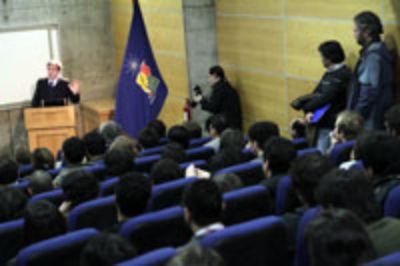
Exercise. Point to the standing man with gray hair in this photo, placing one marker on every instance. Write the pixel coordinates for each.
(371, 92)
(54, 90)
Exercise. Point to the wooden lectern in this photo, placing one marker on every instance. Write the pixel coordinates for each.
(50, 126)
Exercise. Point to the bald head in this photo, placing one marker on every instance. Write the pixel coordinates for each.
(40, 181)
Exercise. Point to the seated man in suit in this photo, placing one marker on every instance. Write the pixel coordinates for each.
(54, 89)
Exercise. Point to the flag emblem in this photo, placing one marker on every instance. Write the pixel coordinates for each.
(146, 81)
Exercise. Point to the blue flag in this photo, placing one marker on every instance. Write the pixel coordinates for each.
(141, 90)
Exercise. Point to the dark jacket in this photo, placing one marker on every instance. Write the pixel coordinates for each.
(51, 94)
(224, 100)
(371, 93)
(382, 186)
(332, 89)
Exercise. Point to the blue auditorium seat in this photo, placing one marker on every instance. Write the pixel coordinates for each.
(11, 239)
(168, 194)
(251, 173)
(199, 153)
(199, 142)
(257, 242)
(388, 260)
(308, 151)
(60, 250)
(107, 186)
(338, 149)
(158, 257)
(282, 194)
(55, 196)
(245, 204)
(99, 213)
(392, 203)
(157, 229)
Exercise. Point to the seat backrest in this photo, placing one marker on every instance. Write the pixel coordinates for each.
(282, 194)
(144, 164)
(107, 187)
(300, 143)
(60, 250)
(335, 153)
(301, 257)
(158, 257)
(23, 185)
(258, 242)
(199, 142)
(151, 151)
(25, 169)
(199, 153)
(98, 170)
(55, 171)
(251, 173)
(198, 163)
(157, 229)
(168, 194)
(392, 203)
(246, 204)
(388, 260)
(11, 239)
(307, 151)
(55, 196)
(99, 213)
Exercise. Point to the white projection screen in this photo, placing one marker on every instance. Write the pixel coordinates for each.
(23, 57)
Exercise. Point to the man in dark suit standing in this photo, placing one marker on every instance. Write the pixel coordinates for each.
(372, 85)
(224, 99)
(54, 89)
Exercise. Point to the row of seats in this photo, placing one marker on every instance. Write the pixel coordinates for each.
(257, 242)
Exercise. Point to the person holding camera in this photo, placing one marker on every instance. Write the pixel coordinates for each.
(329, 97)
(224, 99)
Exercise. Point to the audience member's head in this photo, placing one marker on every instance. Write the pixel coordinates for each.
(278, 155)
(196, 255)
(260, 132)
(368, 28)
(297, 129)
(132, 193)
(202, 202)
(8, 172)
(379, 152)
(12, 203)
(338, 238)
(165, 170)
(348, 126)
(110, 130)
(39, 181)
(95, 144)
(217, 124)
(231, 138)
(79, 187)
(22, 155)
(119, 161)
(106, 250)
(175, 152)
(180, 135)
(331, 53)
(125, 142)
(306, 172)
(159, 126)
(228, 182)
(392, 120)
(42, 221)
(74, 150)
(350, 190)
(194, 129)
(42, 159)
(148, 138)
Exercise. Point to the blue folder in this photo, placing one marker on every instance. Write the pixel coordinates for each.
(319, 113)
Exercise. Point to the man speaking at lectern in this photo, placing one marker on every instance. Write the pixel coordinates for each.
(54, 90)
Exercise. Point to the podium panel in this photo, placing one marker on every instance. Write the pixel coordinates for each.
(49, 127)
(95, 112)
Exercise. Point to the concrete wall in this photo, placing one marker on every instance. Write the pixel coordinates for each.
(201, 46)
(87, 50)
(269, 47)
(165, 27)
